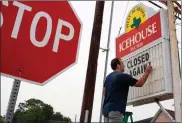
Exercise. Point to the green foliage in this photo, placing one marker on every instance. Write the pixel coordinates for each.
(36, 110)
(67, 119)
(1, 118)
(57, 116)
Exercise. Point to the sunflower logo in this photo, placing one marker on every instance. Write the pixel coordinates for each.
(136, 16)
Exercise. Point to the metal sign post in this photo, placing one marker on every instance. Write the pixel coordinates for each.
(165, 112)
(12, 101)
(107, 55)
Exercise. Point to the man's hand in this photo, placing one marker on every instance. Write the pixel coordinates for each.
(143, 79)
(148, 69)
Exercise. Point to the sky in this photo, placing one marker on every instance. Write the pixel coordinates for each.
(65, 92)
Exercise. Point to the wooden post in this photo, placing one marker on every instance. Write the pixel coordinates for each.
(175, 62)
(87, 104)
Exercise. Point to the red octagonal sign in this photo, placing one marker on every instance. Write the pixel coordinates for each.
(39, 40)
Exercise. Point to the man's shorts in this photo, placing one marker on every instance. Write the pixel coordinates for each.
(114, 116)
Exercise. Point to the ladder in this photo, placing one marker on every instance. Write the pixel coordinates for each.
(126, 116)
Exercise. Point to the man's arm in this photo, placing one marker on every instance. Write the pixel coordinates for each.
(104, 91)
(143, 79)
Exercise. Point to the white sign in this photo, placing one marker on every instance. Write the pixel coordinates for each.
(154, 49)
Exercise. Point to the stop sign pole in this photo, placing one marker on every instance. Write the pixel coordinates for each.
(12, 101)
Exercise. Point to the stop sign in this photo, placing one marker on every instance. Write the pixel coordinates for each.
(39, 40)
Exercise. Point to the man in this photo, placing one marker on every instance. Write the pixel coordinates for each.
(116, 88)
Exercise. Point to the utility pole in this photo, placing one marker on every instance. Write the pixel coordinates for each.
(175, 62)
(88, 96)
